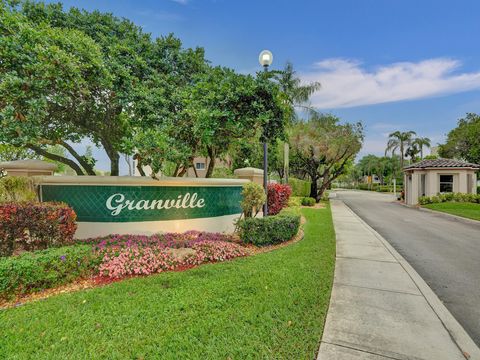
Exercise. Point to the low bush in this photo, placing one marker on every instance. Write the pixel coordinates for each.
(299, 187)
(449, 197)
(308, 201)
(295, 201)
(269, 230)
(33, 226)
(278, 195)
(43, 269)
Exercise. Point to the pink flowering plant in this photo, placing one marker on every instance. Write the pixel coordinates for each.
(166, 240)
(128, 255)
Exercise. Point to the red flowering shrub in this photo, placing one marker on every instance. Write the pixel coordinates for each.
(33, 226)
(278, 195)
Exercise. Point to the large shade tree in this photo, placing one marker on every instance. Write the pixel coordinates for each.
(322, 148)
(96, 76)
(463, 142)
(50, 79)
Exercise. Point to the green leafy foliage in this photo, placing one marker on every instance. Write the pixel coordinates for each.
(299, 187)
(269, 230)
(322, 148)
(308, 201)
(253, 197)
(449, 197)
(463, 141)
(43, 269)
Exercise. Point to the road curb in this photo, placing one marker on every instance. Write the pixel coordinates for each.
(458, 334)
(450, 216)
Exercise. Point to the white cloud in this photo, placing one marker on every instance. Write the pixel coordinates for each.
(182, 2)
(345, 83)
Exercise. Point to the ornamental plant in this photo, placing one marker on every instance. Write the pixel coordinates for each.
(137, 260)
(278, 195)
(269, 230)
(253, 199)
(43, 269)
(34, 226)
(165, 240)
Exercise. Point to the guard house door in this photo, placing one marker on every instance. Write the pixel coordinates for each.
(422, 185)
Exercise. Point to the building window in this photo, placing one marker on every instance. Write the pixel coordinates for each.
(446, 183)
(200, 166)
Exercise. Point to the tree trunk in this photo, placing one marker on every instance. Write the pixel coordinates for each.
(56, 157)
(211, 163)
(81, 160)
(314, 188)
(113, 156)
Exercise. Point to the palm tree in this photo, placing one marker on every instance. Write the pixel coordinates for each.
(297, 97)
(297, 94)
(421, 142)
(398, 141)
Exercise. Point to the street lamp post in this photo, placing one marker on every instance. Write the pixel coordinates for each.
(265, 58)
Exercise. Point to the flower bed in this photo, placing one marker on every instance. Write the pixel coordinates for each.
(137, 260)
(114, 257)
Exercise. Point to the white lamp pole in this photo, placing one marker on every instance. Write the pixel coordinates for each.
(265, 59)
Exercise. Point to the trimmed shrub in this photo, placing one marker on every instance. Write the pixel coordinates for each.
(33, 226)
(449, 197)
(253, 199)
(295, 201)
(308, 201)
(278, 195)
(43, 269)
(299, 187)
(269, 230)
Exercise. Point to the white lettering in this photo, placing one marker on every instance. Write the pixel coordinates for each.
(117, 203)
(116, 209)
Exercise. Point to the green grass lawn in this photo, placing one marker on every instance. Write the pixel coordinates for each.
(468, 210)
(268, 306)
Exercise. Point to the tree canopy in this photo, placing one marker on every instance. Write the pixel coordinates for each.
(321, 149)
(463, 142)
(73, 75)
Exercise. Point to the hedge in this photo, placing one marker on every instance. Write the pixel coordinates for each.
(269, 230)
(299, 187)
(449, 197)
(35, 226)
(43, 269)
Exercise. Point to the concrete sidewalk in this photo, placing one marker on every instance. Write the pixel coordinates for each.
(380, 308)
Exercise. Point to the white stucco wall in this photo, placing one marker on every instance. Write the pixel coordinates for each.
(413, 188)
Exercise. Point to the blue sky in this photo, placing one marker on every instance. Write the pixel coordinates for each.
(392, 64)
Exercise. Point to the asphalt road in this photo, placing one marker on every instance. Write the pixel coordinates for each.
(444, 251)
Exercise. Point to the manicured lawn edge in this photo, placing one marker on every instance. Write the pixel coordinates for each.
(465, 210)
(272, 305)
